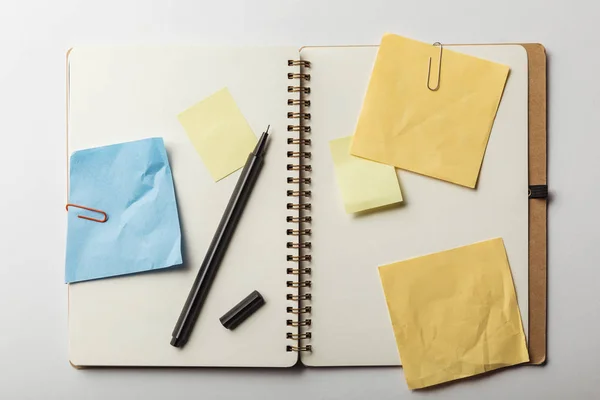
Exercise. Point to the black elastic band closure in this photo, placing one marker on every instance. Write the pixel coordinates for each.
(538, 191)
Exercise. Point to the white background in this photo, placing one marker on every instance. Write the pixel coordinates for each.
(34, 36)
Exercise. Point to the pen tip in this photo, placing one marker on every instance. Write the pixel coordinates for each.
(262, 143)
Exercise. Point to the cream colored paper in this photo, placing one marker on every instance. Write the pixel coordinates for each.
(219, 133)
(443, 133)
(364, 184)
(127, 321)
(454, 313)
(349, 250)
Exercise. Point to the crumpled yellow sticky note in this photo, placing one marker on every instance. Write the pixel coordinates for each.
(219, 132)
(454, 313)
(364, 184)
(443, 133)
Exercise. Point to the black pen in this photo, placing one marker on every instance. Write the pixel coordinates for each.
(219, 244)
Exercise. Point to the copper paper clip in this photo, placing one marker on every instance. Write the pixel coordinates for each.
(89, 209)
(439, 70)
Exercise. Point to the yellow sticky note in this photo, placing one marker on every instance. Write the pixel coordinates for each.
(454, 313)
(443, 133)
(219, 132)
(364, 184)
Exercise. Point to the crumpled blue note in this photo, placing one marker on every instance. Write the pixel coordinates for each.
(132, 183)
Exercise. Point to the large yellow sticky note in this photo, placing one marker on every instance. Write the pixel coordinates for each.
(364, 184)
(443, 133)
(219, 132)
(454, 313)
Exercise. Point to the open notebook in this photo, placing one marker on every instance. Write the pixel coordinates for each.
(315, 265)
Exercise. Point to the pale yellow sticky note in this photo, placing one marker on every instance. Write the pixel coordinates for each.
(364, 184)
(454, 313)
(443, 133)
(219, 132)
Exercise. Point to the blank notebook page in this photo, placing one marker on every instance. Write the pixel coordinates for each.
(124, 94)
(350, 322)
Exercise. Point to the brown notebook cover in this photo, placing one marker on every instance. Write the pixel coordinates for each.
(537, 207)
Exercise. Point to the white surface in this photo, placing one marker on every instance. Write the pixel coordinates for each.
(119, 94)
(33, 299)
(348, 302)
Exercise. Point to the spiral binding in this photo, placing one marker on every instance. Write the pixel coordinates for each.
(299, 196)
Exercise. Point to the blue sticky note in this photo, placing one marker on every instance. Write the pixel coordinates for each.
(132, 183)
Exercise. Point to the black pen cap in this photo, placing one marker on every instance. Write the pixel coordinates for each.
(242, 310)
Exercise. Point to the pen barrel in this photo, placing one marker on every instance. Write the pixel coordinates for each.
(216, 250)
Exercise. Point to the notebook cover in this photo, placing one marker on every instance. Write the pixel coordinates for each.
(537, 207)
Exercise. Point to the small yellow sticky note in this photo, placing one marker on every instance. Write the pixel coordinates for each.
(443, 133)
(454, 313)
(219, 132)
(364, 184)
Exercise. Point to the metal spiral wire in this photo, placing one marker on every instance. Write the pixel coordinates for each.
(299, 202)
